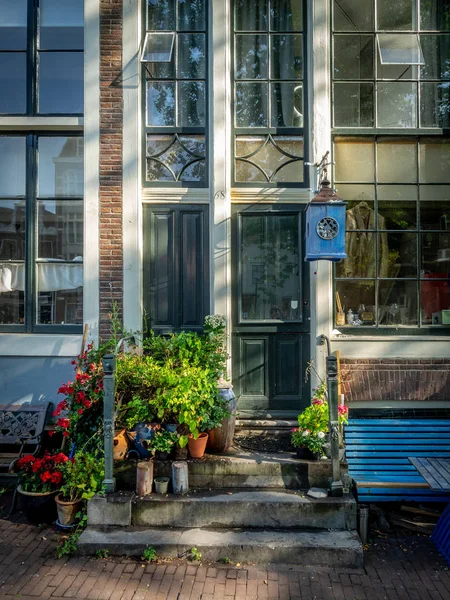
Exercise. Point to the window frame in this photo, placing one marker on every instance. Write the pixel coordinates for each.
(32, 54)
(271, 131)
(175, 130)
(31, 261)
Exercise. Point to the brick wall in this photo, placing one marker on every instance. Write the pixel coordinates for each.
(393, 379)
(111, 117)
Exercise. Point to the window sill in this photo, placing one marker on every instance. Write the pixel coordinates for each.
(41, 123)
(28, 344)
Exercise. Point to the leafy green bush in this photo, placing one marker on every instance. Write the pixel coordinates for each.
(82, 477)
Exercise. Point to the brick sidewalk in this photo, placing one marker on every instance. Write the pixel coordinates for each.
(396, 568)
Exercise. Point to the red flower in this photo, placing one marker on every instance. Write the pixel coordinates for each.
(317, 402)
(80, 411)
(60, 458)
(87, 403)
(45, 476)
(25, 461)
(56, 477)
(64, 423)
(66, 434)
(38, 464)
(342, 409)
(80, 397)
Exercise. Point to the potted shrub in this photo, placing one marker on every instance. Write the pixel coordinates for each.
(82, 478)
(162, 443)
(39, 482)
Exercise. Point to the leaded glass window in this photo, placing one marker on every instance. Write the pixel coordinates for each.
(391, 64)
(269, 98)
(176, 94)
(397, 270)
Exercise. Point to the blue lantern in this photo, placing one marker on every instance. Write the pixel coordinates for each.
(325, 226)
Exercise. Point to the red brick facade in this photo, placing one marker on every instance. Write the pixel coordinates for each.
(392, 379)
(111, 118)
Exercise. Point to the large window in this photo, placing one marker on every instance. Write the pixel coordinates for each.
(41, 57)
(41, 232)
(391, 64)
(397, 273)
(175, 92)
(269, 98)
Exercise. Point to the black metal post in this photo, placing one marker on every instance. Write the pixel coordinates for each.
(109, 365)
(337, 489)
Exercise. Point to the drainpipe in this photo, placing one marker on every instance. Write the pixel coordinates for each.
(337, 489)
(109, 385)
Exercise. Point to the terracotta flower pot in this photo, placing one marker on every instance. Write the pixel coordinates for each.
(67, 511)
(38, 507)
(197, 447)
(121, 445)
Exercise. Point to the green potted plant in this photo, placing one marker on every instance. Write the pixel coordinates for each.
(309, 437)
(162, 443)
(39, 482)
(82, 478)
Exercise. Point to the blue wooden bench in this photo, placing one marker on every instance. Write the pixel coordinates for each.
(377, 454)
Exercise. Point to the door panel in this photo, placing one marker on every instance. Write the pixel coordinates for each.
(270, 309)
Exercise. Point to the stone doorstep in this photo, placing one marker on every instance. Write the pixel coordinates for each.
(304, 548)
(253, 509)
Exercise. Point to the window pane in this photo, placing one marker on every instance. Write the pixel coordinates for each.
(361, 251)
(435, 105)
(287, 56)
(251, 105)
(397, 192)
(359, 297)
(191, 15)
(435, 14)
(435, 215)
(395, 49)
(60, 294)
(60, 166)
(191, 104)
(397, 160)
(60, 229)
(436, 253)
(397, 303)
(434, 160)
(11, 303)
(250, 15)
(434, 296)
(396, 72)
(397, 215)
(436, 51)
(354, 195)
(400, 14)
(397, 104)
(13, 24)
(349, 15)
(251, 57)
(160, 14)
(12, 166)
(397, 255)
(265, 159)
(191, 56)
(353, 104)
(12, 230)
(176, 158)
(434, 192)
(286, 16)
(353, 56)
(287, 104)
(354, 158)
(13, 99)
(270, 281)
(160, 104)
(60, 88)
(61, 24)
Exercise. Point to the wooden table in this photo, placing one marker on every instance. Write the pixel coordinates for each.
(435, 471)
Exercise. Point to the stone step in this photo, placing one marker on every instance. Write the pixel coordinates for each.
(267, 509)
(341, 549)
(239, 469)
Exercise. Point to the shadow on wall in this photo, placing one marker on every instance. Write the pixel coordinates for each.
(33, 379)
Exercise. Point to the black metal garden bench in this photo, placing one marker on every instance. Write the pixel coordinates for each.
(378, 453)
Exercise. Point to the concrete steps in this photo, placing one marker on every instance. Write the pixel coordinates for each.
(240, 469)
(268, 509)
(327, 548)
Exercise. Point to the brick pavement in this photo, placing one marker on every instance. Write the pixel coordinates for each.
(396, 568)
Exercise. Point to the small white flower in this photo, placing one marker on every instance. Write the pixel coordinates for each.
(321, 435)
(305, 433)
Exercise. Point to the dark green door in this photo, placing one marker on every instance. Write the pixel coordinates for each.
(271, 323)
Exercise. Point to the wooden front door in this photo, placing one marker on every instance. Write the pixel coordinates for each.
(271, 323)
